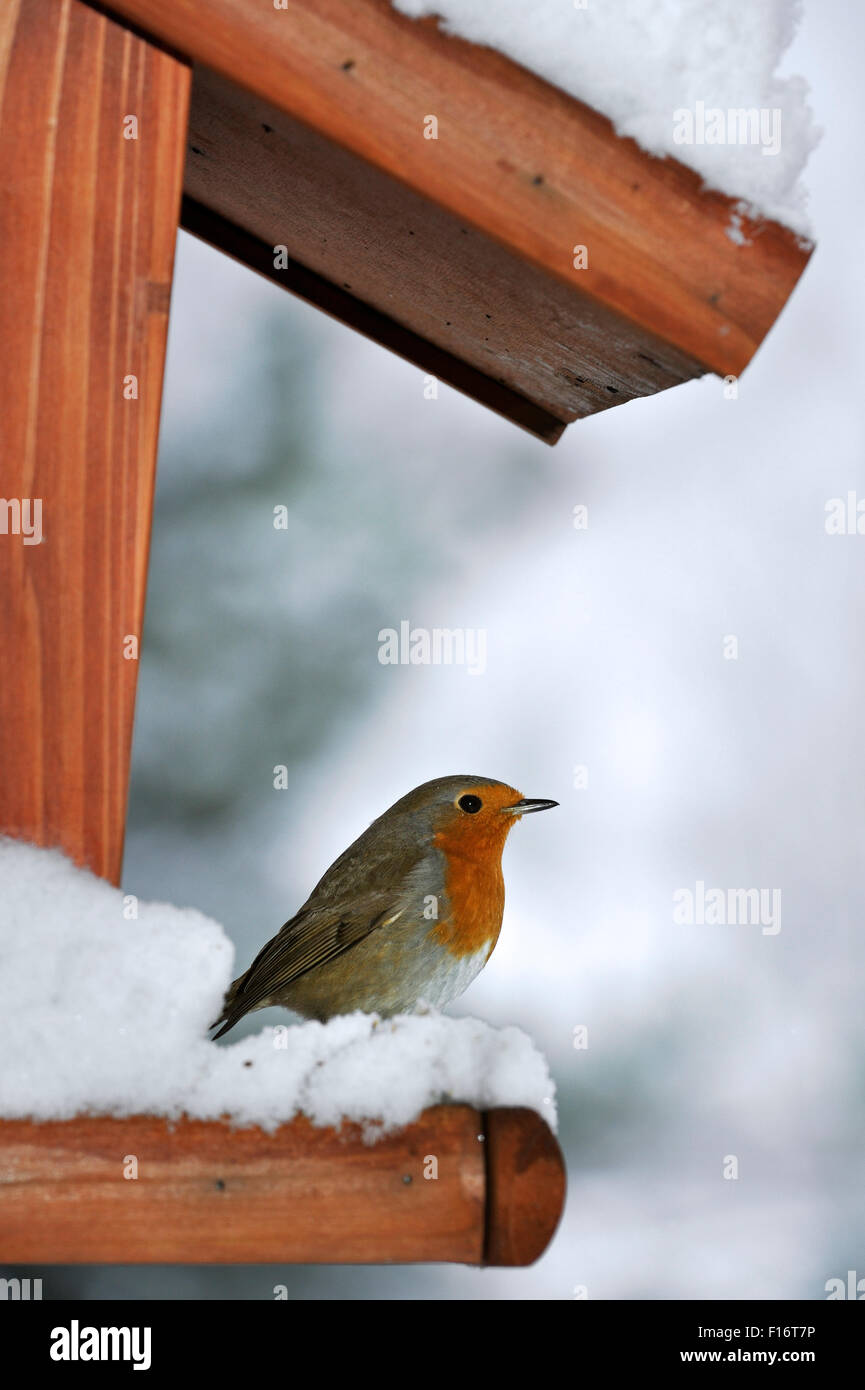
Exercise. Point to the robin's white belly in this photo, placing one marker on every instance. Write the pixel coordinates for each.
(452, 977)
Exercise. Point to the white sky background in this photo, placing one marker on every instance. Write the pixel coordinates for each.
(706, 518)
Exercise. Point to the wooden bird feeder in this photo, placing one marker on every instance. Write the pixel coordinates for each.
(431, 194)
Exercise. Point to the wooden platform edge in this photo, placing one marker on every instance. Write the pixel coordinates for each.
(457, 1185)
(526, 1186)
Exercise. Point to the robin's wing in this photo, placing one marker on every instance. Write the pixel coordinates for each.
(347, 904)
(313, 937)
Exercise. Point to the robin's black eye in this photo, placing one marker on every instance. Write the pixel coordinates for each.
(470, 803)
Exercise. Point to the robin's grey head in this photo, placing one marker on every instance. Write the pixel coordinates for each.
(465, 804)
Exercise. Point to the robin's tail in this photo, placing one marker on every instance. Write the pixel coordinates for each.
(232, 1008)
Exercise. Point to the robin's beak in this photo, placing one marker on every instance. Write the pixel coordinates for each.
(526, 806)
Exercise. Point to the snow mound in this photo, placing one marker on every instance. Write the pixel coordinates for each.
(104, 1011)
(644, 62)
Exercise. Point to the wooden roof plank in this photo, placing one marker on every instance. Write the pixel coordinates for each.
(242, 245)
(515, 158)
(452, 286)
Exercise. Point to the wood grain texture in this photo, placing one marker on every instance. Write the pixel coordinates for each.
(532, 340)
(206, 1193)
(88, 223)
(516, 159)
(525, 1187)
(339, 303)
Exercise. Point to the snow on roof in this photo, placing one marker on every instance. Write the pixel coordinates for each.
(104, 1011)
(681, 77)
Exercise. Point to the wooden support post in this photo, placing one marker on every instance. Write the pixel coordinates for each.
(207, 1194)
(92, 134)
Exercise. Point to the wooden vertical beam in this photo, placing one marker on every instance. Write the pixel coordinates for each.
(92, 134)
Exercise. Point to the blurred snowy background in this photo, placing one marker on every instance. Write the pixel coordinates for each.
(605, 649)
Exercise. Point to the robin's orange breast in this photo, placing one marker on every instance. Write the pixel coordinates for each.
(475, 890)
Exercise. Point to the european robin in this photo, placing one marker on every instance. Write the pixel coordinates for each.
(410, 912)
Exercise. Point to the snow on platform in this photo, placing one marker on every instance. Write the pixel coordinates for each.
(108, 1013)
